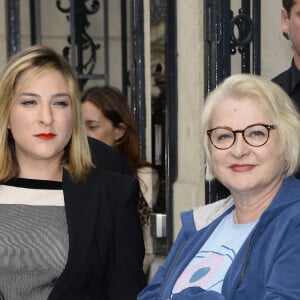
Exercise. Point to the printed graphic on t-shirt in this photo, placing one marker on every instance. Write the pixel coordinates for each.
(206, 270)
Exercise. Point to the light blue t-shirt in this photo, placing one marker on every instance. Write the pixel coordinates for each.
(208, 268)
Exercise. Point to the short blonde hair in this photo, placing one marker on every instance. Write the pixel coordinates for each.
(277, 104)
(77, 158)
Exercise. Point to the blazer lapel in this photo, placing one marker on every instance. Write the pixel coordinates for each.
(81, 210)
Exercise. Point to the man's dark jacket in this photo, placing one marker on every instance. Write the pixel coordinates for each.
(284, 80)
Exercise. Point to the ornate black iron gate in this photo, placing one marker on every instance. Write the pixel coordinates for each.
(80, 49)
(227, 34)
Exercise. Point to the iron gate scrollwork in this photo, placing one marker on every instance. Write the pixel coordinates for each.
(227, 35)
(82, 51)
(81, 42)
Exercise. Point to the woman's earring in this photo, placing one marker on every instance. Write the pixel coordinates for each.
(286, 35)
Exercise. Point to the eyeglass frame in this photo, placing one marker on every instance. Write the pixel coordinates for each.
(268, 127)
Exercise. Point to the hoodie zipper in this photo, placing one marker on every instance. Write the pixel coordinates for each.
(245, 263)
(170, 269)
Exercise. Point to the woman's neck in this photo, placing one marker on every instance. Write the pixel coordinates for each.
(43, 170)
(249, 207)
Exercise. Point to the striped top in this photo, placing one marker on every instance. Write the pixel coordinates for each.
(33, 238)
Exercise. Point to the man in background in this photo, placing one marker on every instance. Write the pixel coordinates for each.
(289, 80)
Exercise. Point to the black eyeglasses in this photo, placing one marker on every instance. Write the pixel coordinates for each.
(255, 135)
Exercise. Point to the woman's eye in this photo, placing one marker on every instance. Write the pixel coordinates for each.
(224, 136)
(257, 133)
(28, 102)
(91, 125)
(62, 103)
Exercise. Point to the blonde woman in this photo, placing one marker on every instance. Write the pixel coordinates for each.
(249, 246)
(68, 230)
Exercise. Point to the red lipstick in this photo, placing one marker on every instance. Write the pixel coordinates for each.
(45, 136)
(242, 168)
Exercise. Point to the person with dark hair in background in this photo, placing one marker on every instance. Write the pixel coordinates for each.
(249, 248)
(108, 118)
(69, 229)
(289, 80)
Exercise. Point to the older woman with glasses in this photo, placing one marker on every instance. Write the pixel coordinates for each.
(250, 249)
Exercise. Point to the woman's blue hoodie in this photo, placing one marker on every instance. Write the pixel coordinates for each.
(266, 267)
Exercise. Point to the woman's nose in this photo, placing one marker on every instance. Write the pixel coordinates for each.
(46, 116)
(240, 146)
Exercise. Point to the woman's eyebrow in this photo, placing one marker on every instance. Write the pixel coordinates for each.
(30, 94)
(37, 95)
(62, 95)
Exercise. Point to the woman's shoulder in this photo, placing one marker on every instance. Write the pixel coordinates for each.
(108, 158)
(112, 177)
(149, 184)
(147, 170)
(148, 175)
(116, 188)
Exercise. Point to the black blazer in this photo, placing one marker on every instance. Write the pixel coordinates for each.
(106, 247)
(107, 158)
(284, 80)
